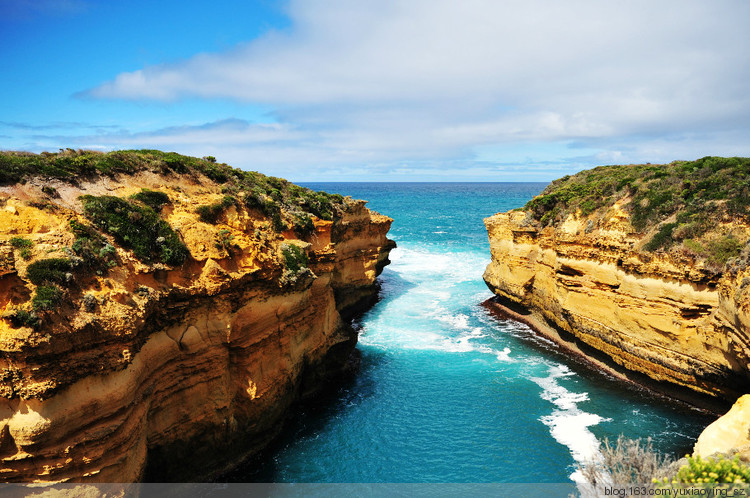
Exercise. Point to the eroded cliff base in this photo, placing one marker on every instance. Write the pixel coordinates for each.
(593, 362)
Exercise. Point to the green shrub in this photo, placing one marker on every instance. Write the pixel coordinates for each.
(136, 228)
(720, 250)
(23, 318)
(47, 297)
(211, 213)
(23, 245)
(303, 225)
(52, 270)
(21, 242)
(710, 471)
(97, 254)
(295, 258)
(152, 198)
(224, 240)
(662, 238)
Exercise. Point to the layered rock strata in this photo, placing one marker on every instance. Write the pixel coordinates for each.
(171, 372)
(667, 319)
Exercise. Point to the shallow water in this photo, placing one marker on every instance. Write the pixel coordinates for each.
(447, 393)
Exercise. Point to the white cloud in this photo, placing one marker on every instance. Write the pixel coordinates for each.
(428, 80)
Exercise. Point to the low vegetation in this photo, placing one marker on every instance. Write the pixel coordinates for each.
(712, 470)
(628, 461)
(152, 198)
(50, 271)
(46, 297)
(295, 258)
(678, 202)
(279, 200)
(224, 240)
(137, 228)
(95, 252)
(634, 462)
(211, 213)
(295, 262)
(23, 245)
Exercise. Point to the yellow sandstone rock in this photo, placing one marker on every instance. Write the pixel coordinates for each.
(729, 432)
(651, 314)
(171, 373)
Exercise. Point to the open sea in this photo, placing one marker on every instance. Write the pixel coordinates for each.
(447, 393)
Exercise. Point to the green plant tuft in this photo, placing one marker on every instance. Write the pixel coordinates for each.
(295, 258)
(151, 198)
(211, 213)
(303, 225)
(23, 245)
(136, 228)
(224, 240)
(51, 270)
(21, 242)
(23, 318)
(47, 297)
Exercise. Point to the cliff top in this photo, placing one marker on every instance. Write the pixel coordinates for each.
(98, 250)
(699, 208)
(276, 197)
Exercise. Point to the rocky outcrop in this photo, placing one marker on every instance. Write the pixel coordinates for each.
(729, 434)
(647, 315)
(170, 372)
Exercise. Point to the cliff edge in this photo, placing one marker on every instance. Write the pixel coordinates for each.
(643, 268)
(162, 313)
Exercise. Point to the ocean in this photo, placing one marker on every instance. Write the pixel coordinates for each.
(445, 392)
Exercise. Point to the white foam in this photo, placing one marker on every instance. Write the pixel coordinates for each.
(504, 355)
(568, 424)
(459, 321)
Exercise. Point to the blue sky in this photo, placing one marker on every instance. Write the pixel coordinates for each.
(381, 90)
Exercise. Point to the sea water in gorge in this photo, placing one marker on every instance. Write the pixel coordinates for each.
(447, 393)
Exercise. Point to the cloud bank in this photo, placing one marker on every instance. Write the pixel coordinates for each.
(426, 83)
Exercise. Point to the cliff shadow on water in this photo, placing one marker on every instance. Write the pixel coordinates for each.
(312, 415)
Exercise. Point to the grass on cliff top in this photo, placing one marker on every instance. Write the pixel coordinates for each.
(692, 195)
(281, 201)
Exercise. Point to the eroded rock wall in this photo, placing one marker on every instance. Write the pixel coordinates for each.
(178, 372)
(671, 320)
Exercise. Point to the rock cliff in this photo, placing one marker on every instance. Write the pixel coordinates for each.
(161, 314)
(600, 263)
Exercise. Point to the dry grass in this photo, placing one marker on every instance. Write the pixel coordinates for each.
(628, 461)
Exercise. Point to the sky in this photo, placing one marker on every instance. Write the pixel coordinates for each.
(381, 90)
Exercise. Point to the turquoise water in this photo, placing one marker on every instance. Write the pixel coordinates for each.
(447, 393)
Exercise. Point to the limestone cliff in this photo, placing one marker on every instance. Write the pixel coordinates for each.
(161, 314)
(600, 264)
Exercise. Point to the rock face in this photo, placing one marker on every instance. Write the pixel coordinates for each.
(171, 372)
(730, 433)
(657, 315)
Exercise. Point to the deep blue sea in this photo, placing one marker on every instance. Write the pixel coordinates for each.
(447, 393)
